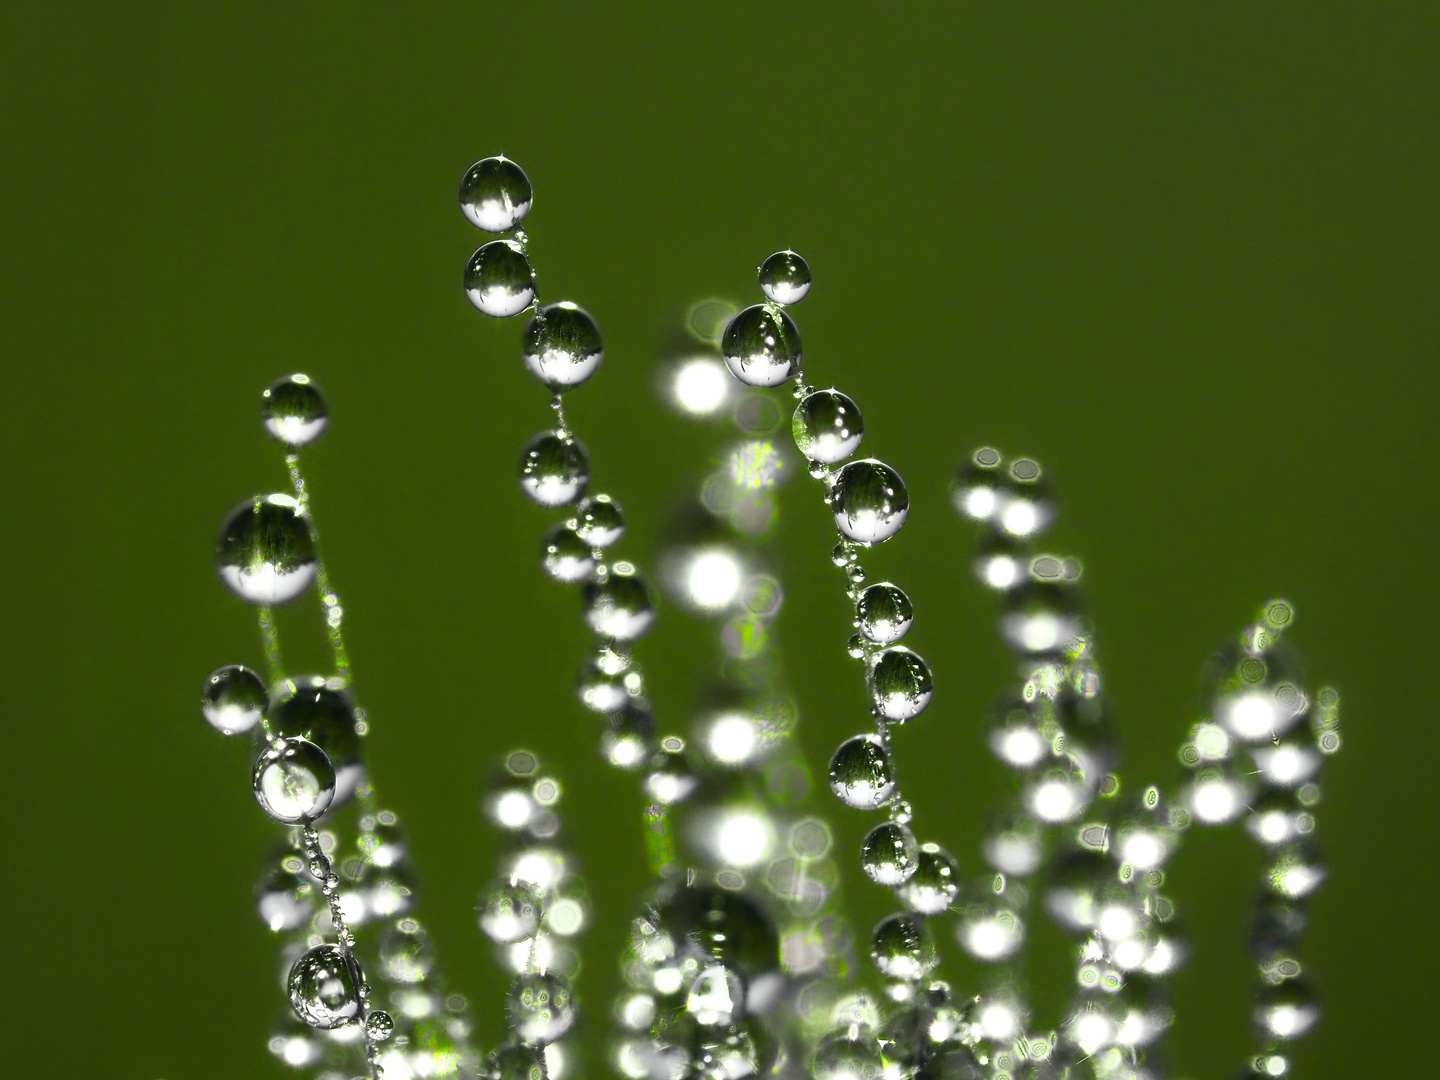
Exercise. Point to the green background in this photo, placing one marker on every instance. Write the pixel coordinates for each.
(1183, 253)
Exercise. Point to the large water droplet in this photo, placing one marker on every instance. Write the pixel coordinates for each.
(554, 470)
(562, 345)
(785, 277)
(565, 556)
(861, 773)
(233, 699)
(598, 521)
(540, 1007)
(293, 781)
(294, 411)
(902, 948)
(509, 911)
(619, 607)
(869, 501)
(935, 884)
(499, 280)
(889, 854)
(495, 194)
(321, 710)
(324, 987)
(762, 346)
(885, 613)
(827, 426)
(265, 552)
(900, 684)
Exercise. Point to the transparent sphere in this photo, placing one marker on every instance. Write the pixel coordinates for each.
(495, 194)
(293, 781)
(869, 501)
(565, 556)
(320, 710)
(406, 953)
(379, 1026)
(839, 1057)
(605, 681)
(861, 774)
(294, 411)
(562, 346)
(669, 777)
(761, 346)
(324, 987)
(233, 699)
(516, 1061)
(902, 948)
(540, 1007)
(935, 884)
(285, 898)
(598, 521)
(499, 280)
(889, 854)
(265, 552)
(509, 911)
(827, 426)
(619, 607)
(1286, 1011)
(785, 277)
(554, 470)
(977, 491)
(900, 684)
(885, 613)
(628, 739)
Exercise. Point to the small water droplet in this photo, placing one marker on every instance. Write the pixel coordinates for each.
(935, 884)
(406, 953)
(827, 427)
(499, 280)
(628, 740)
(379, 1026)
(562, 345)
(620, 607)
(540, 1007)
(840, 1057)
(293, 781)
(902, 948)
(565, 556)
(889, 854)
(885, 613)
(554, 470)
(785, 277)
(265, 552)
(670, 778)
(294, 411)
(598, 521)
(323, 987)
(509, 911)
(861, 774)
(515, 1061)
(869, 501)
(761, 346)
(900, 684)
(495, 194)
(233, 699)
(285, 898)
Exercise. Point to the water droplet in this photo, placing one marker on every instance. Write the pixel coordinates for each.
(565, 556)
(293, 781)
(869, 501)
(1041, 618)
(902, 948)
(1286, 1011)
(515, 1061)
(294, 410)
(598, 521)
(379, 1026)
(717, 996)
(861, 773)
(889, 854)
(562, 345)
(321, 710)
(233, 699)
(285, 898)
(324, 986)
(885, 613)
(900, 684)
(554, 470)
(990, 932)
(1013, 845)
(619, 607)
(669, 778)
(761, 346)
(935, 884)
(827, 427)
(499, 280)
(628, 740)
(785, 277)
(495, 194)
(540, 1007)
(265, 552)
(840, 1057)
(406, 953)
(509, 911)
(604, 682)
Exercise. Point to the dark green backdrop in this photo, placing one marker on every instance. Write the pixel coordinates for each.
(1184, 253)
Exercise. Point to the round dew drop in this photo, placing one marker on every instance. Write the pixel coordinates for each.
(861, 774)
(293, 781)
(499, 280)
(598, 521)
(495, 194)
(885, 613)
(265, 552)
(827, 426)
(935, 884)
(540, 1006)
(889, 854)
(785, 277)
(562, 346)
(869, 501)
(233, 699)
(902, 948)
(554, 471)
(294, 411)
(509, 911)
(324, 987)
(900, 684)
(761, 346)
(379, 1025)
(619, 607)
(565, 556)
